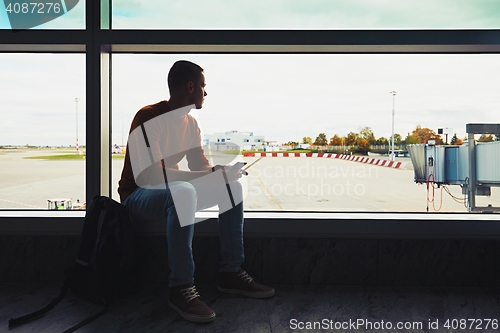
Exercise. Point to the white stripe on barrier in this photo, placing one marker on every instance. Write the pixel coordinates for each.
(361, 159)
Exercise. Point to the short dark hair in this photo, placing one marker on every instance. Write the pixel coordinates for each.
(182, 72)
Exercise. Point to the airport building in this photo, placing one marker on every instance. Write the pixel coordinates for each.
(231, 139)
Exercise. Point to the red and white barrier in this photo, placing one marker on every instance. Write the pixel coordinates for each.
(374, 161)
(361, 159)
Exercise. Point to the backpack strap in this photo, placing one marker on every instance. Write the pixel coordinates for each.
(89, 230)
(13, 322)
(87, 320)
(24, 319)
(146, 140)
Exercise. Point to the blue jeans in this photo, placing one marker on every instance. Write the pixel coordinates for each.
(154, 204)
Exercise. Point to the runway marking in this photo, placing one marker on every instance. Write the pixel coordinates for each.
(21, 203)
(273, 200)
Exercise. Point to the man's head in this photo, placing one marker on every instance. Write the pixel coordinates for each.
(186, 82)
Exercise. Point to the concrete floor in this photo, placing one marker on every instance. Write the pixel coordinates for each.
(292, 308)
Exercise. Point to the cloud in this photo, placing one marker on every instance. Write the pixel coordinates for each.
(284, 97)
(313, 14)
(289, 14)
(38, 92)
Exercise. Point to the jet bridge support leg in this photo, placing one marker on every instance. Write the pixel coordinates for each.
(471, 183)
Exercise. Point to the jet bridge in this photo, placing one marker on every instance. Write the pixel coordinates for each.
(475, 166)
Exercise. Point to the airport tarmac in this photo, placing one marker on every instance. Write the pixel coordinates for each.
(28, 183)
(273, 184)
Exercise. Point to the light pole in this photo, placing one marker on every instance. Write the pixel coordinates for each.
(121, 147)
(76, 102)
(392, 152)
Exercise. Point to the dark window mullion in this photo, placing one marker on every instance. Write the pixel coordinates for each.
(303, 37)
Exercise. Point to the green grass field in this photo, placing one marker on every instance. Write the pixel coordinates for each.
(57, 157)
(67, 157)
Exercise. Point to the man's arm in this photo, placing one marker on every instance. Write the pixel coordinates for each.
(156, 174)
(197, 160)
(196, 156)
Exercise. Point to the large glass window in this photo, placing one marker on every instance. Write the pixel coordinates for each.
(42, 112)
(305, 15)
(273, 103)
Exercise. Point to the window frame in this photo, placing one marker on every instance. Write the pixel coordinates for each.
(98, 42)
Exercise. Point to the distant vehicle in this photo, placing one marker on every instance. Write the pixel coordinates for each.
(116, 149)
(60, 204)
(79, 206)
(398, 153)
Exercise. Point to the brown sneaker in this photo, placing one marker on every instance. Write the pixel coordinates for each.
(187, 302)
(241, 283)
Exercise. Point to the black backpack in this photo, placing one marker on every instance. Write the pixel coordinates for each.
(107, 265)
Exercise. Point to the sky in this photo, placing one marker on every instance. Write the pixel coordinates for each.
(287, 97)
(289, 14)
(307, 14)
(284, 97)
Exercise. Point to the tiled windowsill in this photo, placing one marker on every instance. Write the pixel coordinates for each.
(286, 224)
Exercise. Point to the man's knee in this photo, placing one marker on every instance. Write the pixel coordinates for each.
(185, 202)
(236, 186)
(184, 191)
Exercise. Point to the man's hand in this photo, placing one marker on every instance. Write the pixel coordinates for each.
(232, 174)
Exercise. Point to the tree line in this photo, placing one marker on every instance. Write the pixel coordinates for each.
(365, 139)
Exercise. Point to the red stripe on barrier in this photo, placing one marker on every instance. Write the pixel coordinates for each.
(361, 159)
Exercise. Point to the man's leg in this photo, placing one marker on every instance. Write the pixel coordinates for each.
(232, 279)
(151, 205)
(230, 220)
(231, 231)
